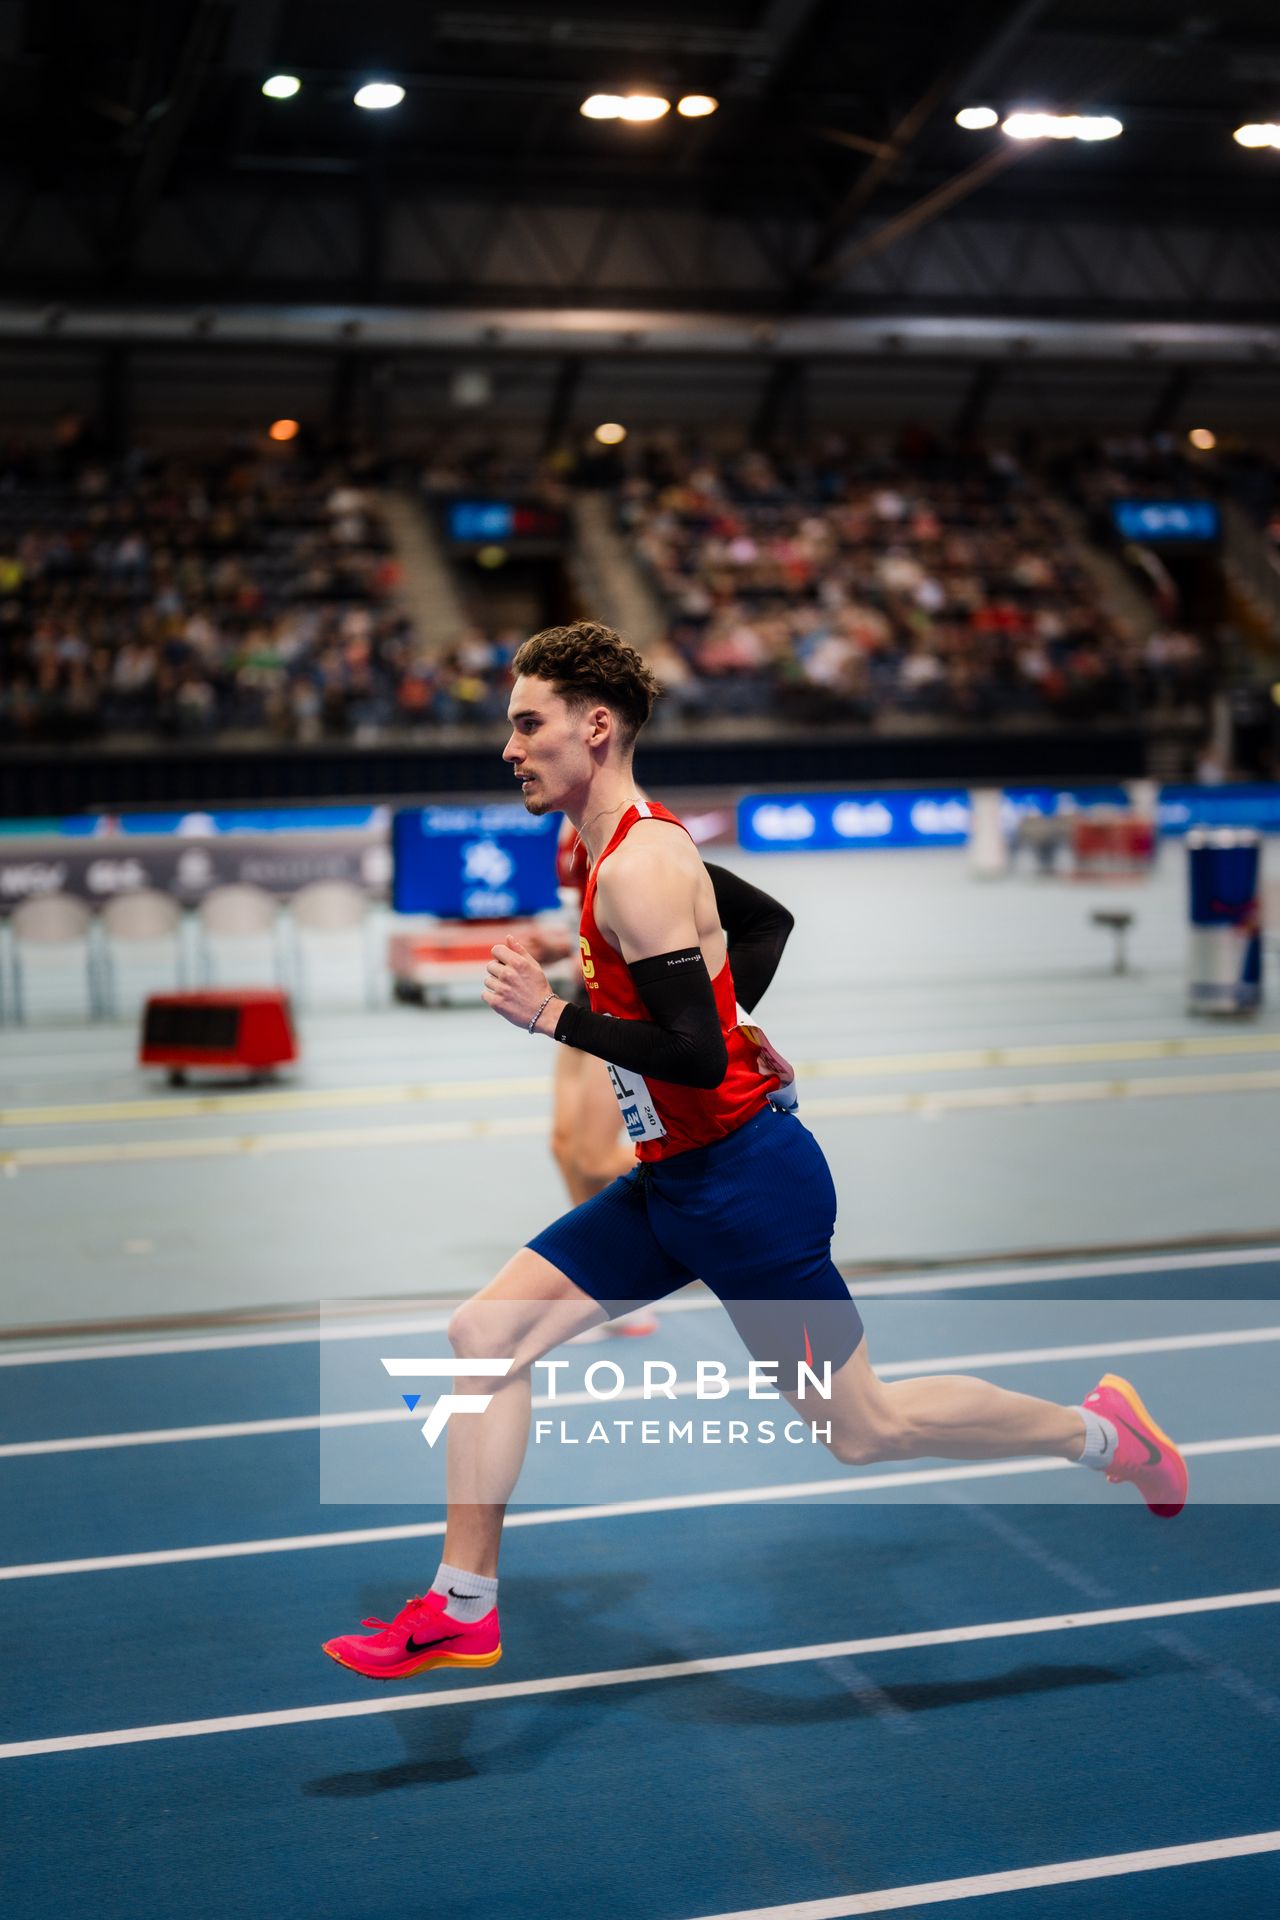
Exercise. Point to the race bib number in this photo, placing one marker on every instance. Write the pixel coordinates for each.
(635, 1103)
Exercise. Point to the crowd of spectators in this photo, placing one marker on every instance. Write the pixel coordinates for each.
(1166, 466)
(188, 598)
(839, 585)
(192, 598)
(253, 595)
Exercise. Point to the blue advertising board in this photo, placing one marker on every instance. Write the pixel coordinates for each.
(473, 863)
(199, 825)
(813, 822)
(940, 817)
(1166, 522)
(1182, 808)
(469, 520)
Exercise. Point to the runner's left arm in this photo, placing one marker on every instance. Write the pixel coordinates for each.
(757, 928)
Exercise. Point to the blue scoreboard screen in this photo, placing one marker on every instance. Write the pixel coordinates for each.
(473, 863)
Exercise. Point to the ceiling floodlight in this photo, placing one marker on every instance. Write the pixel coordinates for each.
(611, 433)
(283, 430)
(1203, 438)
(973, 119)
(1258, 134)
(644, 106)
(377, 95)
(1028, 126)
(1062, 126)
(1100, 126)
(696, 106)
(282, 86)
(602, 106)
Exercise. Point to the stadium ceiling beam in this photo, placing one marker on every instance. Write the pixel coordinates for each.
(954, 77)
(563, 395)
(596, 332)
(834, 260)
(166, 122)
(550, 28)
(754, 75)
(781, 400)
(1170, 398)
(983, 381)
(251, 41)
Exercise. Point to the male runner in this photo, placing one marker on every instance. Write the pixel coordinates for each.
(587, 1141)
(731, 1189)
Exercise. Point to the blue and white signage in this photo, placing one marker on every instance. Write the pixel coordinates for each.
(814, 822)
(478, 520)
(1182, 808)
(473, 863)
(1166, 522)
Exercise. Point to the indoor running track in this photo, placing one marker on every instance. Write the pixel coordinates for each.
(763, 1708)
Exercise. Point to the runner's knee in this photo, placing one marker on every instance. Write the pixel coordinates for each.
(874, 1432)
(856, 1446)
(472, 1331)
(562, 1150)
(598, 1162)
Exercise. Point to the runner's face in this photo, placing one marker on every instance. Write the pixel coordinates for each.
(547, 750)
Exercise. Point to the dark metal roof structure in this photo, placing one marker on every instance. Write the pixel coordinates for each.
(830, 232)
(140, 161)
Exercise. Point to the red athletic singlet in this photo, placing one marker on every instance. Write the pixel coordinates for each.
(661, 1118)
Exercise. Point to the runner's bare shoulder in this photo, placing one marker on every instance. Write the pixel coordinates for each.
(650, 881)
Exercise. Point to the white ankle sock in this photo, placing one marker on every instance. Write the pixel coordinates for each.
(1099, 1440)
(467, 1596)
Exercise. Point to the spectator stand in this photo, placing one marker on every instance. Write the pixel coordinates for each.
(828, 586)
(193, 598)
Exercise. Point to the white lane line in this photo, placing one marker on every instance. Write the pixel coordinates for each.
(302, 1100)
(978, 1886)
(738, 1383)
(141, 1347)
(902, 1286)
(235, 1145)
(858, 1067)
(410, 1093)
(1068, 1053)
(642, 1676)
(1044, 1094)
(909, 1284)
(435, 1133)
(880, 1481)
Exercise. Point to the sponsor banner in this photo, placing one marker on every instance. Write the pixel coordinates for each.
(1049, 802)
(706, 1411)
(1181, 809)
(98, 867)
(940, 817)
(474, 863)
(814, 822)
(194, 825)
(1167, 522)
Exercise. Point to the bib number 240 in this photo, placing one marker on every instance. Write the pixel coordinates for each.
(639, 1115)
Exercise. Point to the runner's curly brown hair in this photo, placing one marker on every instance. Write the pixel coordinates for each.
(588, 662)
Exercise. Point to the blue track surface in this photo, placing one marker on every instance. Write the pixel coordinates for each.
(661, 1799)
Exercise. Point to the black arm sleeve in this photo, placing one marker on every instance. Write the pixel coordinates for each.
(756, 927)
(682, 1043)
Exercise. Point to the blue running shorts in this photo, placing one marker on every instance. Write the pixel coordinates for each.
(751, 1216)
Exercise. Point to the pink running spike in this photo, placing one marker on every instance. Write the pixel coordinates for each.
(421, 1636)
(1144, 1452)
